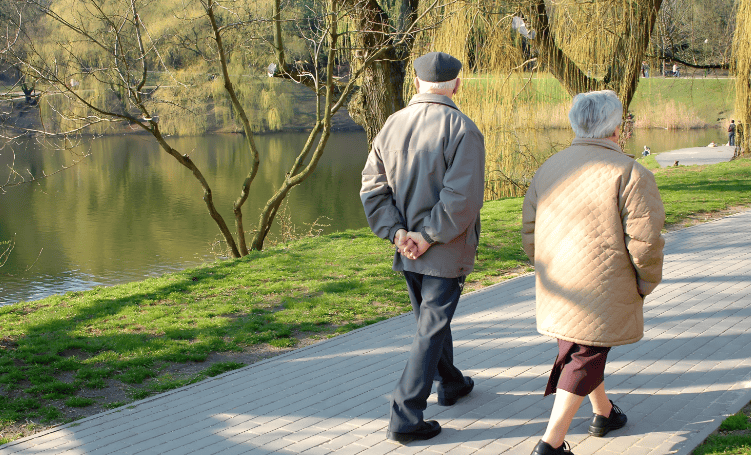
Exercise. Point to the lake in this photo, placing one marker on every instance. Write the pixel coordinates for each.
(130, 211)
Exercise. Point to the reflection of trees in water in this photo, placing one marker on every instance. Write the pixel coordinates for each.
(130, 209)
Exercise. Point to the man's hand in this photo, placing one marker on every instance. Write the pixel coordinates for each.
(404, 245)
(420, 245)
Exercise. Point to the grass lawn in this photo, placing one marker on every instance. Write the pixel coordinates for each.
(75, 354)
(710, 99)
(733, 436)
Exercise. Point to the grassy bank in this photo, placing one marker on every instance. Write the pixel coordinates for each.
(659, 102)
(733, 436)
(680, 103)
(76, 354)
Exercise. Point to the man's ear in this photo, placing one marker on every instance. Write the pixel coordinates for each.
(458, 83)
(417, 84)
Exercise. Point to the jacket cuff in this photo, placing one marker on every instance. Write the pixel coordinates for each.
(427, 238)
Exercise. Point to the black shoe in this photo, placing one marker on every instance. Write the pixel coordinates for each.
(601, 425)
(447, 396)
(543, 448)
(427, 430)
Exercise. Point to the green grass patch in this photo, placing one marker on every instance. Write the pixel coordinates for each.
(222, 367)
(114, 405)
(79, 402)
(725, 445)
(691, 190)
(650, 162)
(737, 421)
(706, 100)
(710, 98)
(55, 348)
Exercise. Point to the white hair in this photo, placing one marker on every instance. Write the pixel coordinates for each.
(595, 114)
(426, 86)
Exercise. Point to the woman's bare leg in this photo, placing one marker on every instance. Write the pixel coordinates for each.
(564, 409)
(600, 402)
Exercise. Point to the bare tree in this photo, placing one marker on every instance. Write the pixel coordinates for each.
(391, 33)
(376, 78)
(695, 33)
(121, 51)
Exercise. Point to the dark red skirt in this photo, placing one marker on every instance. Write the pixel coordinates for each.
(578, 369)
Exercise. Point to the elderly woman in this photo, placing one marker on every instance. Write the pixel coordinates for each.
(591, 225)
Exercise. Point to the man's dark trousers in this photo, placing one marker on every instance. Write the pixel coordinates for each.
(434, 301)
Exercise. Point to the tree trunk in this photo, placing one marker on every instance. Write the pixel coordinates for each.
(380, 93)
(741, 67)
(379, 96)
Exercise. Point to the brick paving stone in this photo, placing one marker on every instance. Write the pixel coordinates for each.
(317, 450)
(652, 440)
(589, 446)
(461, 450)
(663, 448)
(380, 448)
(371, 439)
(350, 450)
(494, 448)
(305, 444)
(401, 449)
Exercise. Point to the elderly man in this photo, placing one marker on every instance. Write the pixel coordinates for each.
(422, 189)
(591, 218)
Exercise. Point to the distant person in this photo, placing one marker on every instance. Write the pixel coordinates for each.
(591, 225)
(422, 189)
(731, 133)
(644, 69)
(646, 152)
(676, 73)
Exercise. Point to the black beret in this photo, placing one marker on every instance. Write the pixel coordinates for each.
(437, 67)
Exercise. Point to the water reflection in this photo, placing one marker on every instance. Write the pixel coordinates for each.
(130, 211)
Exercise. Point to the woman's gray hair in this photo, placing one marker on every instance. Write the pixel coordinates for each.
(595, 114)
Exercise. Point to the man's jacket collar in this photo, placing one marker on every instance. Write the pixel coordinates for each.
(607, 143)
(432, 98)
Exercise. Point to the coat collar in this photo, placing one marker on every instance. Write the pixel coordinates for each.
(432, 98)
(606, 143)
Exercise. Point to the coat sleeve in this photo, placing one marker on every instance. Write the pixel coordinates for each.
(643, 217)
(377, 199)
(529, 212)
(461, 197)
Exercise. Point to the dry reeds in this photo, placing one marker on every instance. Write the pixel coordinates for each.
(669, 115)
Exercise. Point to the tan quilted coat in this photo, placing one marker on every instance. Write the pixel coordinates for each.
(591, 224)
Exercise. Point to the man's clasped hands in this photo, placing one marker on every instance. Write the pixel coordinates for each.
(410, 244)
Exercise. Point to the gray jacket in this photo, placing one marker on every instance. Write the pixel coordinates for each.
(426, 173)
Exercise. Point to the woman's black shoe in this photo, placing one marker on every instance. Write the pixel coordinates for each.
(601, 425)
(543, 448)
(427, 430)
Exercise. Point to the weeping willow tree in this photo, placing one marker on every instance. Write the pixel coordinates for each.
(514, 75)
(741, 67)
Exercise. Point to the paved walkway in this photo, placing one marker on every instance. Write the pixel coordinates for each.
(692, 368)
(696, 155)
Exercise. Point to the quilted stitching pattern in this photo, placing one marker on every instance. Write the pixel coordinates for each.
(591, 223)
